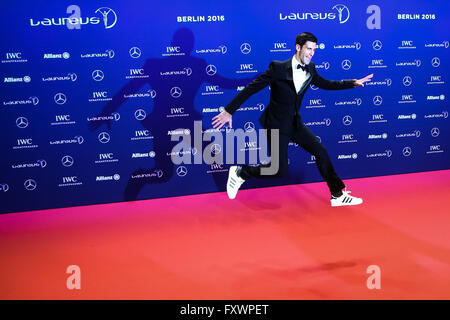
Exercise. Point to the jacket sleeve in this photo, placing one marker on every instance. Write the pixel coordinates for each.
(323, 83)
(253, 87)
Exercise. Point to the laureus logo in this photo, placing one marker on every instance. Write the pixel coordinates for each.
(104, 15)
(342, 15)
(108, 15)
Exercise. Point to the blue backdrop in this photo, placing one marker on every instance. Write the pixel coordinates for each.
(93, 92)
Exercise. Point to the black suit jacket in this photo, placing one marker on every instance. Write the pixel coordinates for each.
(282, 111)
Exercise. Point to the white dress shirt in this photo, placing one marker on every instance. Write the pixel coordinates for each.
(298, 75)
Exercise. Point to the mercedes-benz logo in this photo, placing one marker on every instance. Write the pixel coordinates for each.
(175, 92)
(135, 52)
(347, 120)
(98, 75)
(22, 122)
(246, 48)
(104, 137)
(249, 127)
(435, 132)
(216, 149)
(343, 12)
(407, 81)
(435, 62)
(67, 161)
(140, 114)
(30, 184)
(407, 151)
(108, 15)
(346, 64)
(377, 100)
(60, 98)
(211, 70)
(181, 171)
(376, 45)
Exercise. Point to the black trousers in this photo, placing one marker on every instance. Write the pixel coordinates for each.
(302, 136)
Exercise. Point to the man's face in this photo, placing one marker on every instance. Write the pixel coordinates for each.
(306, 51)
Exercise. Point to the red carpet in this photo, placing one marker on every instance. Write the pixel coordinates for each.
(270, 243)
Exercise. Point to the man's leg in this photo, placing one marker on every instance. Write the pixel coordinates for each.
(238, 174)
(308, 141)
(304, 137)
(247, 171)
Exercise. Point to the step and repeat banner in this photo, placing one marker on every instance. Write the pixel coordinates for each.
(97, 95)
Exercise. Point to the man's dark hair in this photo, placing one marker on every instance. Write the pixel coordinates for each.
(305, 36)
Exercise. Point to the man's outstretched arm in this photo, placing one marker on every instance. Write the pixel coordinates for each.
(326, 84)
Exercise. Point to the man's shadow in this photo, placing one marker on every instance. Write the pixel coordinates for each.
(168, 88)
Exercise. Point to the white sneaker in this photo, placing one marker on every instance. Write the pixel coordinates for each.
(345, 200)
(234, 182)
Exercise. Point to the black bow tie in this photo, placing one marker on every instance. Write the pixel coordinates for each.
(299, 66)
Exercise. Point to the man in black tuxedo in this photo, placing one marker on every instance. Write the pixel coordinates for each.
(288, 82)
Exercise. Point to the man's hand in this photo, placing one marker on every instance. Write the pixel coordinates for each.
(221, 119)
(360, 82)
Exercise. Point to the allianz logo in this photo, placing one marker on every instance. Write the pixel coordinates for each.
(352, 156)
(179, 132)
(407, 116)
(64, 55)
(115, 177)
(150, 154)
(440, 97)
(17, 79)
(211, 110)
(378, 136)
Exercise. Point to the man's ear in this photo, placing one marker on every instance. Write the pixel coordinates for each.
(297, 47)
